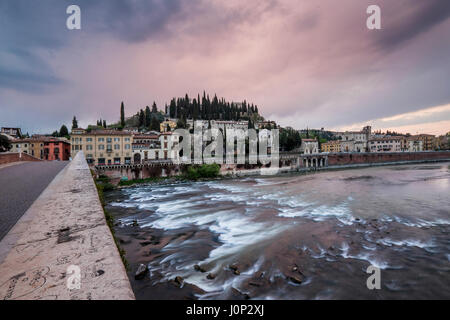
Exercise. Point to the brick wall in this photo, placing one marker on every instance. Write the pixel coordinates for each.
(15, 157)
(359, 158)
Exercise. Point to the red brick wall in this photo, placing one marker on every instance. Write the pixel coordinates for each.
(14, 157)
(358, 158)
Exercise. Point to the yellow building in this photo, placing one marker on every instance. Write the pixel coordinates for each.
(20, 145)
(429, 141)
(333, 146)
(103, 147)
(163, 126)
(34, 146)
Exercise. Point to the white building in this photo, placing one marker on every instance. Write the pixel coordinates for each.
(152, 148)
(355, 141)
(414, 145)
(386, 144)
(309, 146)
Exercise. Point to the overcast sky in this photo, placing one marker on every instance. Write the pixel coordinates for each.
(304, 63)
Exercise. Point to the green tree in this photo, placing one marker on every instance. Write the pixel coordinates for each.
(74, 123)
(155, 124)
(122, 115)
(148, 117)
(154, 107)
(5, 143)
(63, 132)
(181, 123)
(141, 118)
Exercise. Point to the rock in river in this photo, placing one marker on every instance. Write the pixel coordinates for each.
(141, 272)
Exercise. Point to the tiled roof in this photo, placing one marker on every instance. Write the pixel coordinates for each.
(108, 133)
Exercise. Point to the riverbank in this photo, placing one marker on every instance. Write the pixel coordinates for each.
(267, 172)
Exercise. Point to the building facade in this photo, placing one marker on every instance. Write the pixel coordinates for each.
(429, 141)
(56, 149)
(163, 126)
(386, 144)
(309, 146)
(332, 146)
(355, 141)
(103, 147)
(413, 145)
(43, 147)
(13, 132)
(155, 148)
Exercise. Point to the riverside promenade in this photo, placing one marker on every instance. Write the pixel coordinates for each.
(62, 248)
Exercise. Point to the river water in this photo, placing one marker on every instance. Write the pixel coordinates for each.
(303, 236)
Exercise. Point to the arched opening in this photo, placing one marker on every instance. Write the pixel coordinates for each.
(137, 158)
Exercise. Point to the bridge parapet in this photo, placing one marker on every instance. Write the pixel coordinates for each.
(62, 248)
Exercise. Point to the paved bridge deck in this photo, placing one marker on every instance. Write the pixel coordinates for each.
(20, 185)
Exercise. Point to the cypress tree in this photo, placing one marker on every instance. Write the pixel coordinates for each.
(148, 117)
(74, 123)
(122, 115)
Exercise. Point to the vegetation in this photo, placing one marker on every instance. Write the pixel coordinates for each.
(203, 171)
(74, 123)
(124, 183)
(63, 132)
(5, 143)
(210, 109)
(147, 119)
(122, 115)
(101, 183)
(289, 139)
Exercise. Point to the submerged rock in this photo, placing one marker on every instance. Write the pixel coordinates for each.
(295, 279)
(211, 276)
(199, 268)
(141, 272)
(178, 281)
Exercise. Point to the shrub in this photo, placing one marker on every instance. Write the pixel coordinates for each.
(202, 171)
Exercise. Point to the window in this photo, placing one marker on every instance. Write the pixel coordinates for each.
(127, 139)
(109, 148)
(89, 147)
(101, 147)
(101, 161)
(109, 140)
(116, 160)
(88, 139)
(101, 139)
(127, 146)
(116, 146)
(116, 139)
